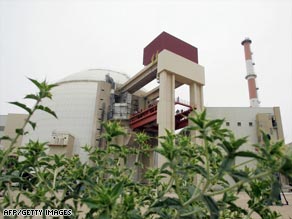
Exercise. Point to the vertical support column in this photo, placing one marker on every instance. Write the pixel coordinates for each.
(196, 100)
(196, 96)
(165, 110)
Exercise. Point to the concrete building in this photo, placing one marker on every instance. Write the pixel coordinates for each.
(10, 123)
(83, 101)
(2, 127)
(249, 122)
(2, 124)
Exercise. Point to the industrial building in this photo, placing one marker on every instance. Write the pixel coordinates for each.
(2, 124)
(84, 100)
(8, 124)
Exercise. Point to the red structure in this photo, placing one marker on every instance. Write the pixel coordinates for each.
(147, 119)
(171, 43)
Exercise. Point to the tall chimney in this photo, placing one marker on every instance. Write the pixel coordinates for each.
(251, 76)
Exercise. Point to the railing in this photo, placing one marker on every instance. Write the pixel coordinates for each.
(148, 116)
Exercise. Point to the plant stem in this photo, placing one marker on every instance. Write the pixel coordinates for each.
(244, 163)
(238, 184)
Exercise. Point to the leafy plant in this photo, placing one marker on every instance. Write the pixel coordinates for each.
(199, 179)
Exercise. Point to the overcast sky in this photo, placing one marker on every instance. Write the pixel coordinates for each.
(52, 39)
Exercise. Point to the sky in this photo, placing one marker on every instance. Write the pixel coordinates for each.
(53, 39)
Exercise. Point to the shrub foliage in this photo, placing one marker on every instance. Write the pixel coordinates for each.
(198, 180)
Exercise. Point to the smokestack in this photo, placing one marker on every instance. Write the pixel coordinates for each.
(251, 76)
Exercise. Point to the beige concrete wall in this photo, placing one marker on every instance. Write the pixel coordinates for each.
(242, 121)
(271, 124)
(277, 114)
(265, 124)
(13, 121)
(2, 124)
(246, 121)
(101, 111)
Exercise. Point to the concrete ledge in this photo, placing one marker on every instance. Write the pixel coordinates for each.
(186, 71)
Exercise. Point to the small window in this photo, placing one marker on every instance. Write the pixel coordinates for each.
(2, 128)
(239, 124)
(268, 136)
(227, 123)
(250, 124)
(102, 89)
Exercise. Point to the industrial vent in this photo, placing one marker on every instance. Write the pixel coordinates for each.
(61, 143)
(59, 139)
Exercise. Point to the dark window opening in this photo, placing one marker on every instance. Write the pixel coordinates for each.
(239, 124)
(268, 136)
(227, 123)
(274, 122)
(250, 124)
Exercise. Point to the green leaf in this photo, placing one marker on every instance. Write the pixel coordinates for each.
(226, 145)
(212, 206)
(166, 172)
(50, 86)
(23, 106)
(46, 109)
(91, 203)
(134, 214)
(203, 115)
(266, 139)
(6, 138)
(214, 122)
(116, 146)
(36, 83)
(104, 215)
(117, 190)
(33, 124)
(239, 175)
(20, 131)
(198, 169)
(236, 144)
(167, 202)
(247, 154)
(165, 165)
(31, 96)
(226, 164)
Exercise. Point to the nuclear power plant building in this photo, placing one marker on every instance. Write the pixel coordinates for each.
(84, 100)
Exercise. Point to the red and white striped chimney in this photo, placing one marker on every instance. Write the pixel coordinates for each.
(251, 76)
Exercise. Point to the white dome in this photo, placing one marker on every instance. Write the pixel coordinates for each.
(95, 75)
